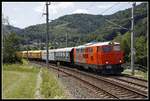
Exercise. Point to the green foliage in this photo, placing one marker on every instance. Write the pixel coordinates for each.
(50, 87)
(10, 47)
(125, 45)
(140, 45)
(118, 38)
(138, 73)
(124, 40)
(141, 50)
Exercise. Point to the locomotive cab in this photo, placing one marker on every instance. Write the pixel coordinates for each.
(110, 58)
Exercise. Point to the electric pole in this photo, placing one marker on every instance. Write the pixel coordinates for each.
(66, 45)
(47, 29)
(66, 40)
(132, 39)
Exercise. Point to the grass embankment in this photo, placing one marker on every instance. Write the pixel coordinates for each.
(49, 86)
(138, 73)
(19, 81)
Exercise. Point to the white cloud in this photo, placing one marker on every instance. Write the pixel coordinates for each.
(54, 6)
(13, 22)
(59, 7)
(103, 6)
(40, 7)
(80, 11)
(63, 5)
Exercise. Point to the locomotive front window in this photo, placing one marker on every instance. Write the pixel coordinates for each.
(107, 48)
(116, 48)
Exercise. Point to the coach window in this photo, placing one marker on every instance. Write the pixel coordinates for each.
(67, 54)
(59, 54)
(64, 54)
(81, 50)
(78, 50)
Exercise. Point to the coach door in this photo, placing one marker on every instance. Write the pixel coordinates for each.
(99, 59)
(71, 56)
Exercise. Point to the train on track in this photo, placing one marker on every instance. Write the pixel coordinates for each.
(103, 57)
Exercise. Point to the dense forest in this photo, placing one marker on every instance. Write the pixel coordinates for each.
(84, 28)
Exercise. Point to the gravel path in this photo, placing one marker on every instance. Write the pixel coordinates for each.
(38, 83)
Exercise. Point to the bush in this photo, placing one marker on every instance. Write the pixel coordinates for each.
(10, 46)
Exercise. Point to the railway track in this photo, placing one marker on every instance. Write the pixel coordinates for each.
(134, 82)
(104, 86)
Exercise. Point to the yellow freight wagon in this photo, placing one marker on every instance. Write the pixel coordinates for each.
(24, 54)
(36, 54)
(19, 54)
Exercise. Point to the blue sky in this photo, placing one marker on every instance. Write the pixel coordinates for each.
(24, 14)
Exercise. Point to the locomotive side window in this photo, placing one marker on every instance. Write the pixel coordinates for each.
(116, 48)
(91, 50)
(107, 48)
(99, 49)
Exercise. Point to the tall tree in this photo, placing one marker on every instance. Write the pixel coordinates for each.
(141, 50)
(10, 47)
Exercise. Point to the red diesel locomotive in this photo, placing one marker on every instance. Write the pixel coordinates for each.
(104, 57)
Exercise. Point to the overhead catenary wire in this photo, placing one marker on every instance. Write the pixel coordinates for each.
(109, 8)
(110, 20)
(115, 24)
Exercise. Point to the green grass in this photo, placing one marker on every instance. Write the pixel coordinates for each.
(20, 67)
(50, 87)
(19, 80)
(138, 73)
(19, 84)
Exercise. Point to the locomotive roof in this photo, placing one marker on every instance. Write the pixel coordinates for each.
(105, 43)
(96, 44)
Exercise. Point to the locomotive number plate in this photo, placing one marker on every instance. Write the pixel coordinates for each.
(108, 67)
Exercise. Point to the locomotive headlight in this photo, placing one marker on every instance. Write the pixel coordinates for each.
(106, 62)
(120, 61)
